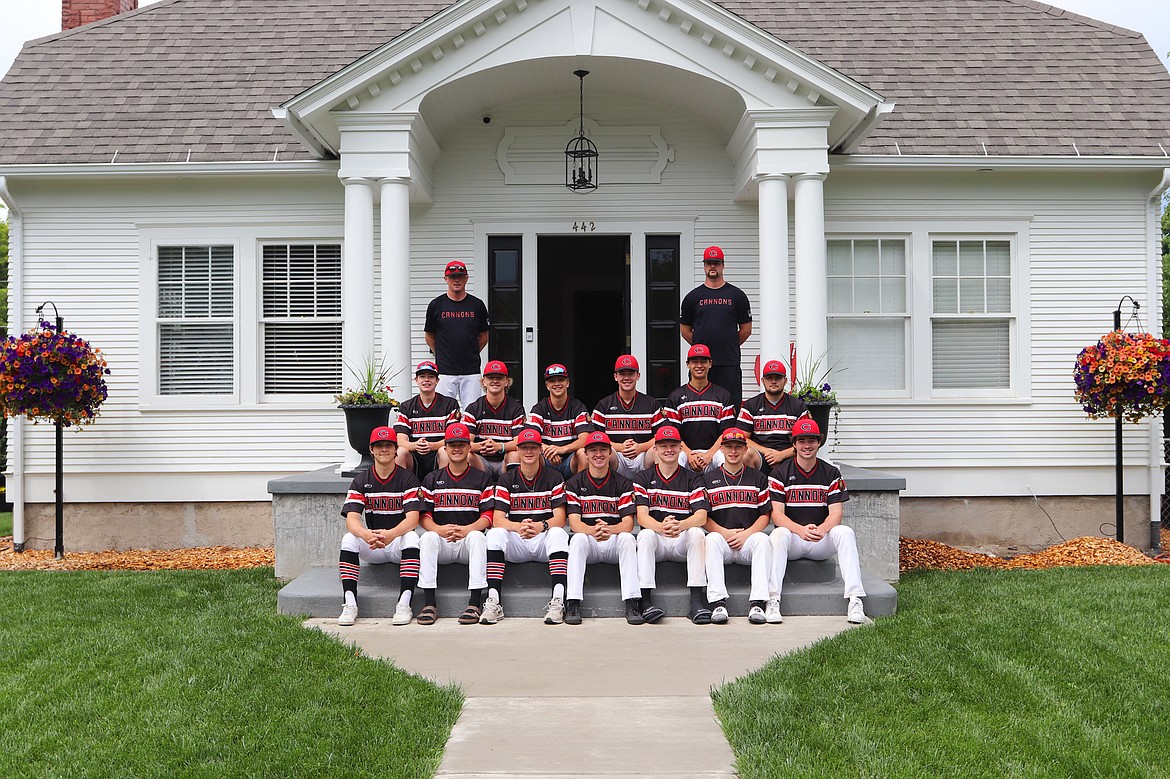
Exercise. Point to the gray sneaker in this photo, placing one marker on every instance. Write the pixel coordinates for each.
(556, 612)
(772, 613)
(493, 612)
(348, 616)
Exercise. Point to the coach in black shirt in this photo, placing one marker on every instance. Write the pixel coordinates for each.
(718, 314)
(456, 330)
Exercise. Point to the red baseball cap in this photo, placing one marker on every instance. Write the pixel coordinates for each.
(698, 350)
(734, 434)
(383, 433)
(456, 268)
(457, 431)
(773, 367)
(805, 428)
(598, 437)
(528, 435)
(667, 433)
(426, 366)
(556, 371)
(712, 254)
(627, 362)
(495, 368)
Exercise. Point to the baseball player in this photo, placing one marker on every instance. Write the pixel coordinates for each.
(768, 417)
(629, 418)
(808, 497)
(494, 420)
(563, 421)
(456, 331)
(718, 314)
(601, 516)
(702, 411)
(741, 507)
(381, 512)
(422, 420)
(528, 524)
(671, 510)
(457, 506)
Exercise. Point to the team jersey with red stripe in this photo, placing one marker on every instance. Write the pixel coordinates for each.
(501, 423)
(770, 424)
(457, 500)
(701, 415)
(637, 419)
(560, 428)
(419, 421)
(610, 500)
(384, 503)
(681, 495)
(806, 496)
(737, 500)
(523, 499)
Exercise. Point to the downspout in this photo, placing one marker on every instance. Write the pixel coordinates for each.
(1157, 453)
(15, 482)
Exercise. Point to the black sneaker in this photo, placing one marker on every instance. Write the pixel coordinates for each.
(634, 612)
(652, 614)
(700, 614)
(573, 612)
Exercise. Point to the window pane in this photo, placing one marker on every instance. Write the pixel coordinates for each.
(971, 296)
(866, 296)
(507, 267)
(894, 295)
(971, 258)
(196, 283)
(839, 258)
(869, 353)
(999, 258)
(865, 258)
(946, 258)
(302, 358)
(946, 296)
(662, 265)
(999, 296)
(971, 354)
(840, 296)
(195, 359)
(893, 258)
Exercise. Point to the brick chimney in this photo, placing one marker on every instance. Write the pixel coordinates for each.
(75, 13)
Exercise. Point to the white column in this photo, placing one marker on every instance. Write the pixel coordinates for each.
(774, 310)
(811, 285)
(357, 285)
(395, 266)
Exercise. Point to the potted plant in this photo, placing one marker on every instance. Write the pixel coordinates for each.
(52, 375)
(811, 385)
(367, 406)
(1124, 375)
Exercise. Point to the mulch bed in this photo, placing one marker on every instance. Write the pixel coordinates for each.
(207, 558)
(917, 555)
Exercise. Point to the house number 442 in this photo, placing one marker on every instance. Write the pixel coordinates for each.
(584, 227)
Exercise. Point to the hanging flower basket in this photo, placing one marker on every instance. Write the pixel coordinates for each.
(1124, 375)
(48, 375)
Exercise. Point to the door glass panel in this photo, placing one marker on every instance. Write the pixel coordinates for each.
(662, 371)
(504, 296)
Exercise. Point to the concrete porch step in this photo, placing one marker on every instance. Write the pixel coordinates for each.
(811, 588)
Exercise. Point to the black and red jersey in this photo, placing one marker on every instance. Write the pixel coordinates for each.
(533, 499)
(500, 423)
(700, 415)
(681, 495)
(420, 421)
(637, 419)
(457, 500)
(806, 496)
(384, 503)
(769, 424)
(560, 428)
(737, 499)
(610, 500)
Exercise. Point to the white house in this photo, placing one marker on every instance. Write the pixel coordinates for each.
(231, 196)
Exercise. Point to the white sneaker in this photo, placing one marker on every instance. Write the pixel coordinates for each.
(856, 613)
(402, 615)
(772, 613)
(348, 615)
(556, 612)
(756, 616)
(493, 612)
(719, 615)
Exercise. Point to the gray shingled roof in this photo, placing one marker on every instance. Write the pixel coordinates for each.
(200, 76)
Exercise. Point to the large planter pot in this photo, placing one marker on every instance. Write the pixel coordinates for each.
(820, 410)
(360, 422)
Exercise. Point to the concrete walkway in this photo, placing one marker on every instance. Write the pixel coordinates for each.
(602, 699)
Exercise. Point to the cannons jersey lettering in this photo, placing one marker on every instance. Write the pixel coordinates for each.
(419, 421)
(738, 500)
(806, 496)
(701, 415)
(637, 419)
(522, 499)
(610, 501)
(560, 428)
(681, 495)
(771, 425)
(502, 423)
(384, 503)
(457, 500)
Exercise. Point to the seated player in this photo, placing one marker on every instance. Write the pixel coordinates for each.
(808, 497)
(457, 506)
(528, 524)
(422, 420)
(629, 418)
(741, 506)
(494, 420)
(768, 417)
(601, 516)
(381, 512)
(701, 411)
(563, 421)
(671, 509)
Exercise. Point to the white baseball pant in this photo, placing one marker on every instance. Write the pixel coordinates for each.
(621, 549)
(434, 551)
(840, 541)
(391, 553)
(522, 550)
(689, 546)
(465, 388)
(756, 552)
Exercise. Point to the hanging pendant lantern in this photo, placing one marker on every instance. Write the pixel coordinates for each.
(581, 158)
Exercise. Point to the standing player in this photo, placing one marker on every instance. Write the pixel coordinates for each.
(494, 420)
(457, 506)
(672, 509)
(768, 418)
(388, 498)
(528, 524)
(808, 498)
(718, 314)
(563, 421)
(456, 330)
(601, 516)
(741, 506)
(701, 410)
(629, 418)
(422, 420)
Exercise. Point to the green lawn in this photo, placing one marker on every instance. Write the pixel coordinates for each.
(5, 523)
(1058, 673)
(185, 673)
